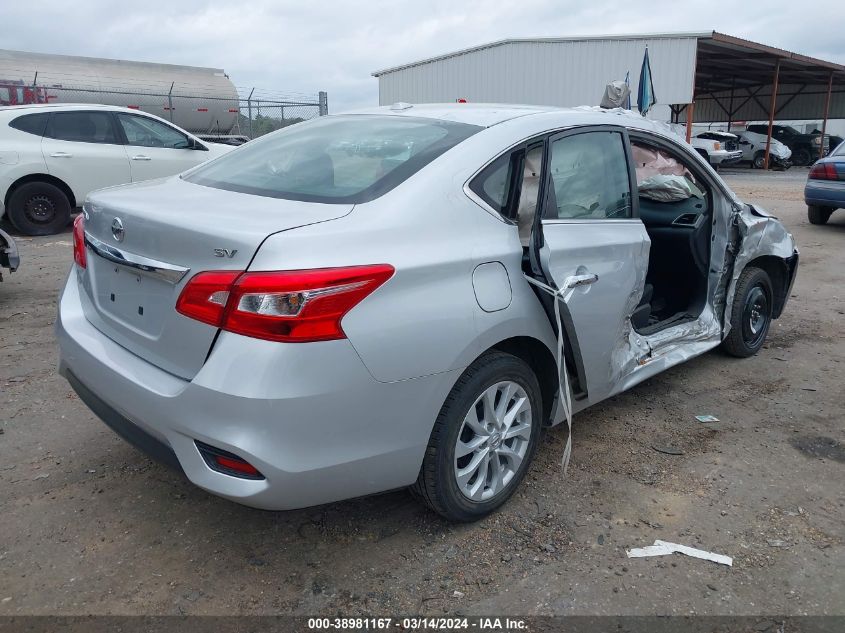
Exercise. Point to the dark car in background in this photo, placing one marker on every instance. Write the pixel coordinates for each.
(825, 188)
(805, 147)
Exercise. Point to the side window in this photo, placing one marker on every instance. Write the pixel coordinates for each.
(82, 126)
(511, 186)
(495, 184)
(31, 123)
(663, 176)
(146, 132)
(589, 177)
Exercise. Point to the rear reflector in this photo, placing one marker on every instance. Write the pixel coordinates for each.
(227, 463)
(824, 171)
(295, 306)
(79, 255)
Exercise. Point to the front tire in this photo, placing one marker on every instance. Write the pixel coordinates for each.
(483, 440)
(801, 157)
(751, 313)
(39, 208)
(818, 215)
(759, 160)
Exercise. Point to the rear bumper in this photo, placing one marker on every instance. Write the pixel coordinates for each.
(135, 435)
(825, 193)
(309, 417)
(9, 257)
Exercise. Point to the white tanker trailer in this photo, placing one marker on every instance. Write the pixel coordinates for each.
(203, 101)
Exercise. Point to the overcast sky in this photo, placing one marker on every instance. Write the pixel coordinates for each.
(306, 46)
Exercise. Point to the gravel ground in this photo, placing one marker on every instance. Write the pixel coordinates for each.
(90, 526)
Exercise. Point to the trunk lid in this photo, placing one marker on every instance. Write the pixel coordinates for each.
(172, 230)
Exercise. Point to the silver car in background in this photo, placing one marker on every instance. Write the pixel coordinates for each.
(376, 300)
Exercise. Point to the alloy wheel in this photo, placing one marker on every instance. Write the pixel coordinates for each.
(493, 441)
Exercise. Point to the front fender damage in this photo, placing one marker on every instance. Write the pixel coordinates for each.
(759, 234)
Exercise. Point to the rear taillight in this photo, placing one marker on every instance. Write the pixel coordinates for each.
(205, 296)
(824, 171)
(295, 306)
(79, 241)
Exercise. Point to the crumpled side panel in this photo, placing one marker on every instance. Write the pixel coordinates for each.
(761, 235)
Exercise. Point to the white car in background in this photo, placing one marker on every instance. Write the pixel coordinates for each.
(753, 146)
(718, 148)
(53, 156)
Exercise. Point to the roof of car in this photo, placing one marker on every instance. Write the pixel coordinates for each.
(490, 114)
(483, 114)
(64, 106)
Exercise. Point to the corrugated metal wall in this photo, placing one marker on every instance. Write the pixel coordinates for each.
(809, 105)
(558, 73)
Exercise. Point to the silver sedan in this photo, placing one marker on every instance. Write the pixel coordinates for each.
(406, 296)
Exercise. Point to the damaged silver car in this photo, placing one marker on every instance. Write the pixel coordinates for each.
(406, 296)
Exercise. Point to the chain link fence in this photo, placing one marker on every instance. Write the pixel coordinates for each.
(214, 115)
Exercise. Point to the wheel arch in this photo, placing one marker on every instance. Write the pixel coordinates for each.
(779, 274)
(541, 361)
(40, 177)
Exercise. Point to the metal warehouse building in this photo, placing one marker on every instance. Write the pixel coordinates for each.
(706, 77)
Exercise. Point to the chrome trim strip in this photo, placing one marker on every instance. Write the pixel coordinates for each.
(591, 221)
(138, 263)
(477, 200)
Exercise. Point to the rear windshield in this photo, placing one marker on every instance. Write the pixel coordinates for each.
(337, 159)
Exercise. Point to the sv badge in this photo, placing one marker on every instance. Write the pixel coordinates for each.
(225, 252)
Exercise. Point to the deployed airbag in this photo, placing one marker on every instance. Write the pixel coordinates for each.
(662, 178)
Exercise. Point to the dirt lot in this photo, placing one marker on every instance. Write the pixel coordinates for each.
(90, 526)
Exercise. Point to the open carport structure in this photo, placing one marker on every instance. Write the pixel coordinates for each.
(701, 77)
(739, 80)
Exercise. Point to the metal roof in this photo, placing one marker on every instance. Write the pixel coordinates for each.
(543, 40)
(728, 77)
(734, 79)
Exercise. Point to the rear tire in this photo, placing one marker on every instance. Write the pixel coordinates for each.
(818, 215)
(465, 487)
(751, 313)
(39, 208)
(759, 160)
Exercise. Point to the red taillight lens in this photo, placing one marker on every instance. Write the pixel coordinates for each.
(227, 463)
(236, 464)
(294, 306)
(79, 255)
(206, 295)
(824, 171)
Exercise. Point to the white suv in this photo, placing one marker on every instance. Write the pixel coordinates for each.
(52, 156)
